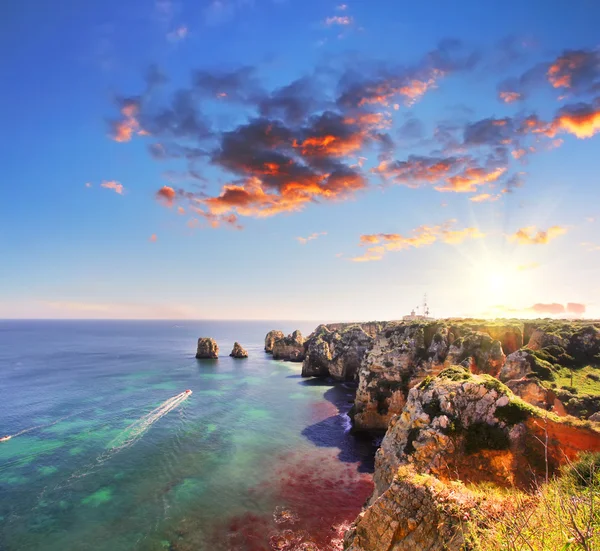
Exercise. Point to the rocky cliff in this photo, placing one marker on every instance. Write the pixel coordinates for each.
(401, 354)
(336, 351)
(270, 339)
(290, 348)
(457, 427)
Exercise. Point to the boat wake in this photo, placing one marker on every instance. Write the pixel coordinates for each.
(25, 431)
(137, 429)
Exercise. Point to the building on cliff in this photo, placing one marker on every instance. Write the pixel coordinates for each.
(414, 316)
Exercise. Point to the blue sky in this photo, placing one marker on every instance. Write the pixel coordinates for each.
(436, 185)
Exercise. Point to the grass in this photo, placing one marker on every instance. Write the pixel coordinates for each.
(561, 515)
(581, 381)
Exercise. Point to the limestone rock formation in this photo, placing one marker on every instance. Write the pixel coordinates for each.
(335, 353)
(542, 339)
(456, 426)
(533, 392)
(208, 349)
(595, 417)
(238, 351)
(401, 356)
(479, 352)
(289, 348)
(270, 339)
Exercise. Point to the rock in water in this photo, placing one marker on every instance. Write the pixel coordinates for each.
(238, 351)
(270, 339)
(289, 348)
(208, 349)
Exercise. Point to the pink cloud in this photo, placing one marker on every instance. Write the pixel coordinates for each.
(115, 186)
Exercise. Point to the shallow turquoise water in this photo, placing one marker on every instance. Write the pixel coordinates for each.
(257, 458)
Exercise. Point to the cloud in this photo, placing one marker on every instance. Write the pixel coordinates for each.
(338, 20)
(167, 195)
(590, 247)
(123, 130)
(531, 236)
(576, 308)
(153, 238)
(576, 70)
(178, 34)
(381, 243)
(509, 97)
(88, 184)
(311, 237)
(342, 7)
(369, 87)
(553, 308)
(470, 178)
(484, 198)
(115, 186)
(581, 120)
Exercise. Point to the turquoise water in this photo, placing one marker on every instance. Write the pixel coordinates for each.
(257, 458)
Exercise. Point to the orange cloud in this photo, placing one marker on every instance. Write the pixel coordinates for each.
(518, 153)
(560, 73)
(115, 186)
(123, 130)
(470, 178)
(167, 195)
(509, 97)
(421, 237)
(180, 210)
(311, 237)
(412, 90)
(583, 122)
(529, 235)
(153, 238)
(484, 198)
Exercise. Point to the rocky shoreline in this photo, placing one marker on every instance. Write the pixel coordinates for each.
(460, 402)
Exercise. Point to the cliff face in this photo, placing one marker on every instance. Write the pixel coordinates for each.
(403, 353)
(290, 348)
(456, 426)
(401, 356)
(270, 339)
(336, 352)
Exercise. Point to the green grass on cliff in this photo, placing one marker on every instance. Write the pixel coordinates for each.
(586, 380)
(560, 515)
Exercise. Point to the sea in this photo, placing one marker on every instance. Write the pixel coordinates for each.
(107, 454)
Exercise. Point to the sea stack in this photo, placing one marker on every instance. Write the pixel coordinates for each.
(270, 339)
(208, 349)
(290, 348)
(238, 351)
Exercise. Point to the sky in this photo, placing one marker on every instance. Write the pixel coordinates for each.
(286, 159)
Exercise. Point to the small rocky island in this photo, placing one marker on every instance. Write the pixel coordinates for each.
(207, 349)
(238, 351)
(463, 404)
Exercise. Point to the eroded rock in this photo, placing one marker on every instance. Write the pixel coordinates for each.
(270, 339)
(401, 356)
(479, 352)
(290, 348)
(456, 426)
(238, 351)
(207, 349)
(335, 353)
